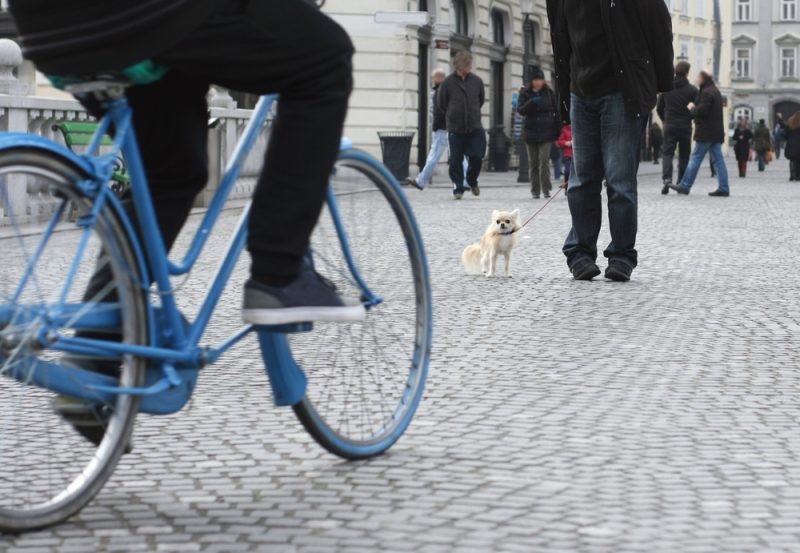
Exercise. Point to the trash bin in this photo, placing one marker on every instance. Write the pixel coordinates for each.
(396, 148)
(499, 150)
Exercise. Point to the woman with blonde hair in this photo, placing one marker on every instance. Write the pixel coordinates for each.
(793, 146)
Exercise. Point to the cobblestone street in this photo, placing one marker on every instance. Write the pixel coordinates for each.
(661, 415)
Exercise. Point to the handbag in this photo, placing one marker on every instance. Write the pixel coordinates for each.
(768, 156)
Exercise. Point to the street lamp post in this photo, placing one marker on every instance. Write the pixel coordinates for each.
(522, 151)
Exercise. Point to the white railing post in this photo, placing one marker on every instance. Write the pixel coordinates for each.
(16, 120)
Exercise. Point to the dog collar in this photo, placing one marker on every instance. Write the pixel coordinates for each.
(509, 233)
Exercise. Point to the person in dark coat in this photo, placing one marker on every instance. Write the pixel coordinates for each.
(762, 142)
(709, 135)
(656, 142)
(677, 121)
(742, 142)
(792, 150)
(611, 61)
(461, 97)
(537, 103)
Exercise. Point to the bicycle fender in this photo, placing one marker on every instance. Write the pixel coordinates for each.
(16, 140)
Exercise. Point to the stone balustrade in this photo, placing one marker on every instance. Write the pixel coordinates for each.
(22, 112)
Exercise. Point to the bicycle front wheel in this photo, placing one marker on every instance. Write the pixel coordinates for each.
(48, 471)
(365, 380)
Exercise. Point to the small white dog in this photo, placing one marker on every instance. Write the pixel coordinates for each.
(499, 239)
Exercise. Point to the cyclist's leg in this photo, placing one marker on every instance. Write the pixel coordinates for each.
(295, 50)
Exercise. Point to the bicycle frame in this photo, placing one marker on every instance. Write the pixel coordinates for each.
(174, 345)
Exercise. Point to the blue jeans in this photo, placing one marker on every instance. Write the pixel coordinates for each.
(471, 145)
(557, 164)
(438, 146)
(605, 144)
(698, 155)
(761, 156)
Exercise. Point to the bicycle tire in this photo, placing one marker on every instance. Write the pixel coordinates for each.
(315, 423)
(131, 296)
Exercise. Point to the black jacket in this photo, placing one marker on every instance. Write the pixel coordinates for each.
(66, 37)
(709, 125)
(640, 41)
(792, 150)
(439, 119)
(461, 100)
(742, 140)
(671, 106)
(541, 115)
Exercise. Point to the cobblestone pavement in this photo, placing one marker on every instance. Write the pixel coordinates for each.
(658, 415)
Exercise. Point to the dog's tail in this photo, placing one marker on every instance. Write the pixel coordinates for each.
(472, 259)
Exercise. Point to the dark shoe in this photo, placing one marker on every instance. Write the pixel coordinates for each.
(309, 298)
(679, 189)
(719, 194)
(536, 196)
(665, 188)
(476, 190)
(618, 271)
(458, 195)
(412, 183)
(547, 194)
(584, 269)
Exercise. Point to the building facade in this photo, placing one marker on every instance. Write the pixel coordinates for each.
(393, 61)
(766, 64)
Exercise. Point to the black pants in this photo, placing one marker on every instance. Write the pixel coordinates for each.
(473, 146)
(794, 169)
(258, 47)
(682, 139)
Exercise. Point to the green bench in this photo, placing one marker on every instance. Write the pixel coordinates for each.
(79, 135)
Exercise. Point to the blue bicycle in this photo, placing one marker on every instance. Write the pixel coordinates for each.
(354, 387)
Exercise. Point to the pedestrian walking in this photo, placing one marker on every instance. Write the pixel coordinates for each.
(792, 151)
(762, 142)
(611, 60)
(557, 161)
(656, 142)
(461, 97)
(677, 122)
(742, 142)
(564, 144)
(439, 141)
(709, 135)
(778, 135)
(537, 103)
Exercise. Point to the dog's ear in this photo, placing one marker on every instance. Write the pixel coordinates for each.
(515, 214)
(495, 214)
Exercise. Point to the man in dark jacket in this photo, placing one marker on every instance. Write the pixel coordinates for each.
(461, 97)
(611, 59)
(709, 135)
(677, 121)
(762, 142)
(256, 47)
(537, 102)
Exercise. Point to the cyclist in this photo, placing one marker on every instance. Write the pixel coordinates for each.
(263, 46)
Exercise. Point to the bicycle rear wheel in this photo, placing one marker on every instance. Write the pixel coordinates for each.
(47, 470)
(365, 380)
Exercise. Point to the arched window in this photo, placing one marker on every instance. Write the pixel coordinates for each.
(498, 28)
(460, 17)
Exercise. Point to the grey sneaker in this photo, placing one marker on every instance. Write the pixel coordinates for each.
(476, 190)
(310, 298)
(458, 195)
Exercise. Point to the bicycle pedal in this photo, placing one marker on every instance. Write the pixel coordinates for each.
(295, 328)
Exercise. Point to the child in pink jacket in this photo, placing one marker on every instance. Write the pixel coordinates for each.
(565, 143)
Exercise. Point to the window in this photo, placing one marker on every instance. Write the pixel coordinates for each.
(684, 50)
(789, 10)
(744, 10)
(788, 62)
(684, 7)
(700, 55)
(741, 62)
(460, 18)
(743, 112)
(498, 28)
(700, 9)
